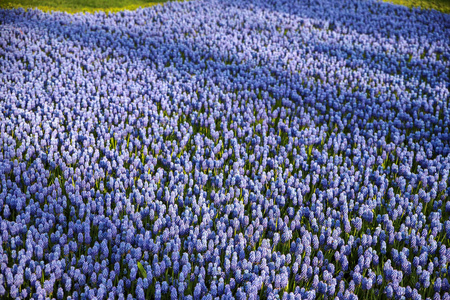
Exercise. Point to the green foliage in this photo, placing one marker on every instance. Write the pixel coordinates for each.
(75, 6)
(439, 5)
(142, 270)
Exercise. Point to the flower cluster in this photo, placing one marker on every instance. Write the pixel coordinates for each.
(225, 150)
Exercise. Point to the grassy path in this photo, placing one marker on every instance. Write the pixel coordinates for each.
(440, 5)
(73, 6)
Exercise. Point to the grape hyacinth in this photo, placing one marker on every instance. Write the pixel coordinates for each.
(216, 149)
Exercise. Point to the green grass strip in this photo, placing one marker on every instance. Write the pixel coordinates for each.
(75, 6)
(439, 5)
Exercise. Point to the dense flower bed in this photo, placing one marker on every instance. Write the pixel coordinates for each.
(220, 149)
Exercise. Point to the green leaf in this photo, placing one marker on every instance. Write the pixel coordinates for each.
(141, 268)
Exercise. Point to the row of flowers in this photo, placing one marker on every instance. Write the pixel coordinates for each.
(225, 149)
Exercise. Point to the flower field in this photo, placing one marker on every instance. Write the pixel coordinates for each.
(226, 150)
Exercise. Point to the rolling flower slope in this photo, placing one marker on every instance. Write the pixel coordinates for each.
(225, 150)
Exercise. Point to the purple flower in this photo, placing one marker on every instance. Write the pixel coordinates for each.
(438, 285)
(250, 149)
(389, 292)
(197, 291)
